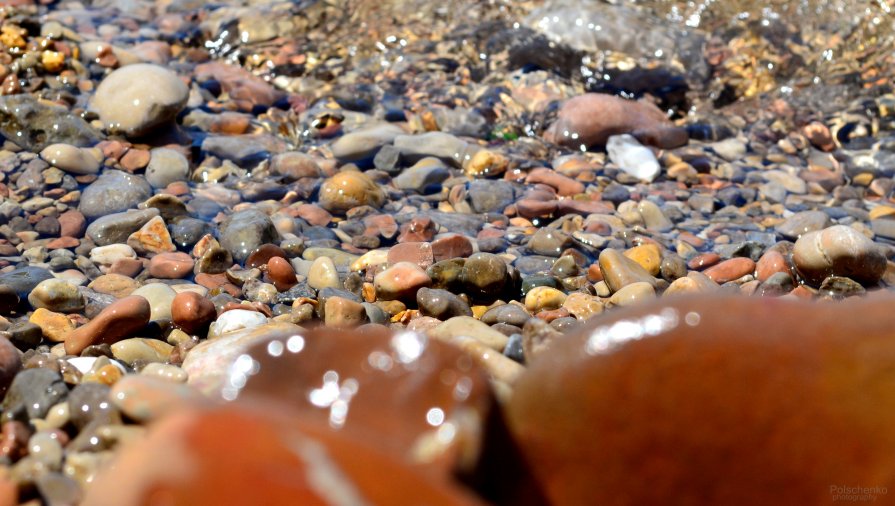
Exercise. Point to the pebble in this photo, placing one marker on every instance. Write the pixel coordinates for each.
(120, 319)
(544, 298)
(160, 297)
(146, 398)
(838, 251)
(632, 157)
(208, 364)
(10, 364)
(323, 274)
(349, 189)
(771, 262)
(281, 273)
(164, 371)
(549, 242)
(582, 306)
(730, 270)
(73, 159)
(54, 326)
(117, 227)
(171, 265)
(467, 326)
(693, 282)
(620, 271)
(56, 295)
(633, 294)
(33, 391)
(362, 145)
(441, 304)
(512, 314)
(484, 276)
(591, 119)
(244, 231)
(803, 222)
(90, 403)
(236, 319)
(35, 124)
(648, 256)
(166, 166)
(136, 99)
(152, 238)
(343, 313)
(113, 192)
(192, 312)
(400, 282)
(136, 349)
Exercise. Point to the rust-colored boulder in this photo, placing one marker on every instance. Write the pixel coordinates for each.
(590, 120)
(718, 400)
(262, 454)
(418, 398)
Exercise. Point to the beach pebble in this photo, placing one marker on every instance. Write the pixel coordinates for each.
(632, 157)
(166, 166)
(56, 295)
(841, 251)
(120, 319)
(160, 297)
(236, 319)
(400, 282)
(135, 99)
(349, 189)
(73, 159)
(113, 192)
(192, 312)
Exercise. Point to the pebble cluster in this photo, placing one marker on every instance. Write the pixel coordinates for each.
(230, 219)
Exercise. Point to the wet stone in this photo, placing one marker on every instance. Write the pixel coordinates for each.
(114, 191)
(34, 391)
(244, 231)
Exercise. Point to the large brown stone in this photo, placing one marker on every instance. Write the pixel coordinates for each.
(120, 319)
(713, 400)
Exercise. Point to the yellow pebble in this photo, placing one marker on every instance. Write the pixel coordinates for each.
(544, 298)
(53, 61)
(647, 256)
(55, 326)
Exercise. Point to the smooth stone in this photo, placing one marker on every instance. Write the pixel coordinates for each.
(113, 192)
(90, 402)
(35, 124)
(34, 391)
(619, 270)
(54, 326)
(487, 196)
(770, 263)
(693, 282)
(343, 313)
(442, 145)
(146, 398)
(590, 120)
(120, 319)
(115, 285)
(803, 222)
(362, 145)
(136, 99)
(166, 166)
(192, 312)
(512, 314)
(549, 242)
(208, 364)
(160, 297)
(56, 295)
(693, 355)
(648, 256)
(45, 447)
(838, 251)
(731, 269)
(777, 284)
(244, 231)
(234, 320)
(653, 217)
(423, 175)
(634, 293)
(294, 165)
(544, 298)
(152, 238)
(117, 227)
(73, 159)
(632, 157)
(23, 280)
(281, 273)
(323, 274)
(85, 364)
(441, 304)
(400, 282)
(484, 276)
(349, 189)
(10, 364)
(582, 306)
(137, 349)
(164, 371)
(419, 253)
(467, 326)
(108, 255)
(171, 265)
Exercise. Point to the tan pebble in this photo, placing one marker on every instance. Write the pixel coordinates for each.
(55, 326)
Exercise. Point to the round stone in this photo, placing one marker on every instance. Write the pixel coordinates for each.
(192, 312)
(135, 99)
(484, 276)
(838, 251)
(166, 166)
(350, 189)
(56, 295)
(73, 159)
(400, 282)
(172, 265)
